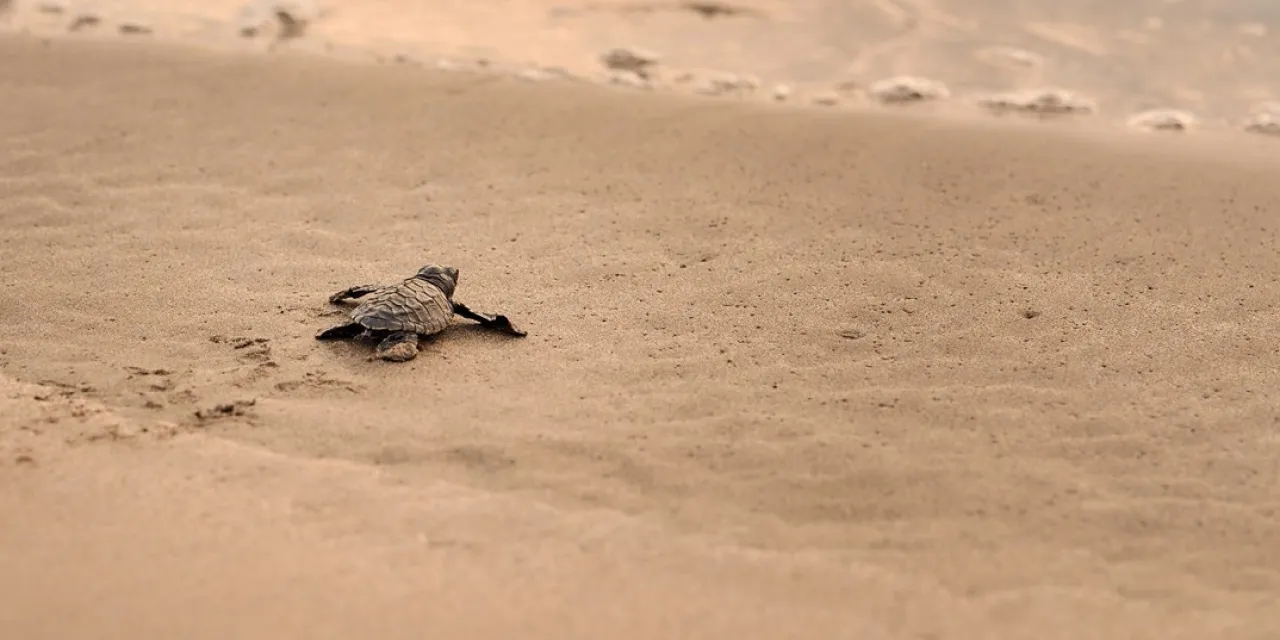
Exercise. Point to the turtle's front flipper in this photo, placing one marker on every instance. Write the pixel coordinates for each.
(353, 292)
(400, 346)
(339, 331)
(495, 322)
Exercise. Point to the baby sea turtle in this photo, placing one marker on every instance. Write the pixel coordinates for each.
(397, 315)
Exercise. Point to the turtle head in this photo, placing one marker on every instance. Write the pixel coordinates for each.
(444, 277)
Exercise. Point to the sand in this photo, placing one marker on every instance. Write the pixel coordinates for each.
(791, 371)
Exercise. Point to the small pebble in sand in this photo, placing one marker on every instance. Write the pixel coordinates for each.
(631, 59)
(707, 88)
(253, 19)
(746, 82)
(829, 99)
(781, 92)
(134, 27)
(629, 79)
(83, 19)
(1267, 124)
(294, 19)
(849, 86)
(727, 83)
(906, 89)
(52, 6)
(1255, 29)
(533, 75)
(536, 74)
(1049, 100)
(1010, 57)
(709, 10)
(1163, 120)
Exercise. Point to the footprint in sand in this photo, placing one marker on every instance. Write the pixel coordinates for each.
(248, 349)
(161, 388)
(255, 356)
(156, 386)
(318, 381)
(62, 411)
(225, 410)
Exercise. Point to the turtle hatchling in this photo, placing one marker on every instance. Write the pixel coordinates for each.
(397, 315)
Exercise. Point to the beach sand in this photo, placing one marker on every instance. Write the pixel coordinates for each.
(791, 371)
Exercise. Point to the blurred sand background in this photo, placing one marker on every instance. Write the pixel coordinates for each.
(811, 367)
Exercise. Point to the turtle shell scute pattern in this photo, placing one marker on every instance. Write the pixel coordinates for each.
(413, 305)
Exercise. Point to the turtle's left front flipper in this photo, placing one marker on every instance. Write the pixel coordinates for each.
(358, 291)
(495, 322)
(341, 331)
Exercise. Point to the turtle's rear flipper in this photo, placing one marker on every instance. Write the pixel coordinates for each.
(400, 346)
(494, 322)
(337, 332)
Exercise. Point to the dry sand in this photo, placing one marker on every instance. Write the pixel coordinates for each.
(791, 373)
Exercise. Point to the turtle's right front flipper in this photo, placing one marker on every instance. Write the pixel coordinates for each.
(353, 292)
(399, 346)
(494, 322)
